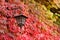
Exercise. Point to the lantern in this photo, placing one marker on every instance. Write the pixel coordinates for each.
(21, 20)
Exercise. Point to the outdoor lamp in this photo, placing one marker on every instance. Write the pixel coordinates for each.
(21, 20)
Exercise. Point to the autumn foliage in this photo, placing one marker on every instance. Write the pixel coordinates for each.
(33, 29)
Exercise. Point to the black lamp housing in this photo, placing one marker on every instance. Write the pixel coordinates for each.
(21, 20)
